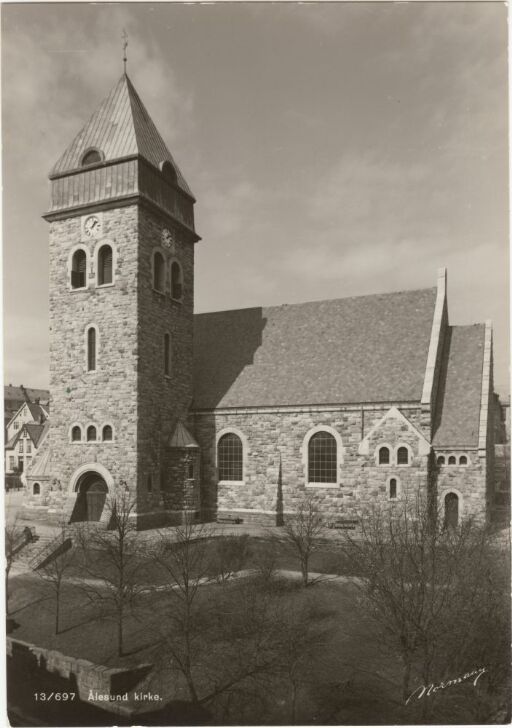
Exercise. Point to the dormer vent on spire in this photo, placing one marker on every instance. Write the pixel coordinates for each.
(118, 156)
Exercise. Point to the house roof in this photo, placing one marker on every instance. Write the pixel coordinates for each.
(36, 432)
(349, 350)
(120, 127)
(460, 388)
(36, 411)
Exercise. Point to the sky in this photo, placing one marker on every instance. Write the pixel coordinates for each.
(334, 149)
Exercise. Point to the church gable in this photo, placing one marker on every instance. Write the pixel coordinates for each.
(394, 430)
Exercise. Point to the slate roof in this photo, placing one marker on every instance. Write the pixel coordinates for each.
(363, 349)
(182, 438)
(36, 432)
(460, 388)
(120, 127)
(36, 411)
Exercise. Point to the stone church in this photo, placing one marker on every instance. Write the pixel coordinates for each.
(235, 415)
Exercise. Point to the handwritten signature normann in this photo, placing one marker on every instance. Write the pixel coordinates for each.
(433, 687)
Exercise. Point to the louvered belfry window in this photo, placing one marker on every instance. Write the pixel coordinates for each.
(158, 272)
(91, 349)
(230, 457)
(105, 265)
(176, 282)
(322, 458)
(78, 269)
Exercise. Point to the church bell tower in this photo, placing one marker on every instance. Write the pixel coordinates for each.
(121, 318)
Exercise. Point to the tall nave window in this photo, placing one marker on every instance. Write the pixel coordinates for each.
(230, 457)
(322, 458)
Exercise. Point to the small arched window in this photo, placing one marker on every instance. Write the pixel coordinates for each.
(322, 458)
(107, 433)
(393, 492)
(190, 469)
(230, 457)
(452, 460)
(176, 281)
(76, 433)
(78, 269)
(463, 460)
(91, 433)
(441, 460)
(158, 272)
(36, 489)
(91, 157)
(384, 456)
(169, 172)
(91, 349)
(104, 265)
(402, 456)
(167, 355)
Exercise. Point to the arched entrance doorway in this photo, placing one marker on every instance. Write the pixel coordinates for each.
(92, 492)
(451, 510)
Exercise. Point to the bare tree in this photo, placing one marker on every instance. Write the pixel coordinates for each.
(425, 587)
(15, 538)
(303, 532)
(53, 571)
(113, 564)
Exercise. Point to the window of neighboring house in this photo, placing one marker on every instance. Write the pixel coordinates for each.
(78, 269)
(441, 460)
(91, 433)
(322, 458)
(16, 425)
(452, 460)
(402, 456)
(36, 489)
(20, 446)
(104, 265)
(158, 272)
(76, 433)
(167, 355)
(230, 457)
(176, 281)
(20, 465)
(29, 447)
(384, 456)
(107, 433)
(91, 349)
(12, 463)
(392, 489)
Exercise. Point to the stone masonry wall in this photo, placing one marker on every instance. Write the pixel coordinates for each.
(107, 395)
(467, 481)
(162, 400)
(275, 468)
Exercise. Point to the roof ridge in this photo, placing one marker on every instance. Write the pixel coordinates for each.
(321, 300)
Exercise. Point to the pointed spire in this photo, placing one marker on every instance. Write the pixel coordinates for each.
(121, 127)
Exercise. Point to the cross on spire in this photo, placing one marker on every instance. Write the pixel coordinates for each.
(125, 46)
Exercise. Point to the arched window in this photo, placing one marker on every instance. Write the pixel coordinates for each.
(176, 281)
(402, 456)
(322, 458)
(230, 459)
(91, 157)
(78, 269)
(36, 489)
(91, 349)
(104, 265)
(384, 456)
(91, 433)
(463, 460)
(441, 460)
(76, 433)
(158, 272)
(168, 171)
(452, 460)
(107, 433)
(393, 490)
(167, 355)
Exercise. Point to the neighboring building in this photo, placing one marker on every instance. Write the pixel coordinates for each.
(24, 433)
(235, 414)
(15, 397)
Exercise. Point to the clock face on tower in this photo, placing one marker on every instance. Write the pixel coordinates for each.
(92, 226)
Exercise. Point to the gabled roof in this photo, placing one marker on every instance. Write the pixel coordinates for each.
(36, 432)
(36, 411)
(460, 387)
(120, 127)
(349, 350)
